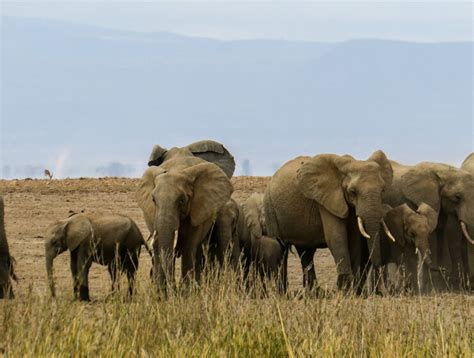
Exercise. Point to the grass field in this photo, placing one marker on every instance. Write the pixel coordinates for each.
(217, 319)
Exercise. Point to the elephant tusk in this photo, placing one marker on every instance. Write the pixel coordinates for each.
(149, 249)
(152, 237)
(175, 240)
(417, 251)
(387, 231)
(466, 233)
(360, 223)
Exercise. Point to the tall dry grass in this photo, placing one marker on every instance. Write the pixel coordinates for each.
(219, 319)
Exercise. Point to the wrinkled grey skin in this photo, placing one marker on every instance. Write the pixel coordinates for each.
(224, 242)
(111, 240)
(182, 192)
(6, 261)
(314, 202)
(461, 250)
(411, 230)
(265, 253)
(450, 192)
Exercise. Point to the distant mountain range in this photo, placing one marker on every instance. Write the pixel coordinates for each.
(87, 101)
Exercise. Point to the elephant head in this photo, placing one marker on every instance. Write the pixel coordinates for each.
(65, 235)
(224, 238)
(253, 216)
(207, 150)
(444, 188)
(175, 197)
(407, 226)
(341, 182)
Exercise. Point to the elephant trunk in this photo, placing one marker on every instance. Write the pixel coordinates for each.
(226, 242)
(164, 243)
(50, 256)
(369, 222)
(422, 244)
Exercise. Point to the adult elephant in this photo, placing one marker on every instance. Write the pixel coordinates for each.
(181, 193)
(450, 192)
(461, 243)
(208, 150)
(6, 261)
(330, 201)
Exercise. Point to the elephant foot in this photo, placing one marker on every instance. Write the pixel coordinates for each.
(6, 292)
(84, 293)
(344, 282)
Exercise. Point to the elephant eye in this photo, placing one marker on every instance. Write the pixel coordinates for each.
(352, 191)
(411, 234)
(457, 197)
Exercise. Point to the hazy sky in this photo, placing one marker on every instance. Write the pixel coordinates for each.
(316, 20)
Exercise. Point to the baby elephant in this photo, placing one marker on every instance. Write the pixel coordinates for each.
(112, 240)
(264, 252)
(406, 232)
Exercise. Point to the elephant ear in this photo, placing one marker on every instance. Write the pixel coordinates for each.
(430, 214)
(144, 197)
(214, 152)
(157, 155)
(386, 168)
(252, 212)
(320, 179)
(394, 219)
(211, 190)
(468, 163)
(421, 184)
(78, 230)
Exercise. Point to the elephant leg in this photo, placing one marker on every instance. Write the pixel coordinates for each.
(74, 273)
(192, 243)
(307, 265)
(84, 262)
(335, 232)
(282, 281)
(411, 273)
(6, 290)
(131, 266)
(113, 272)
(199, 263)
(454, 237)
(246, 263)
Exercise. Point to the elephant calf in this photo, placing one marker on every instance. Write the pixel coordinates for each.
(264, 252)
(406, 232)
(224, 242)
(112, 240)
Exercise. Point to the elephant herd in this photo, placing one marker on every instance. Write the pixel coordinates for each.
(389, 227)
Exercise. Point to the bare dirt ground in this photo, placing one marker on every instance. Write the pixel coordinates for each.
(32, 205)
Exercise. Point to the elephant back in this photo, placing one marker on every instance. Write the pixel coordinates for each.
(208, 150)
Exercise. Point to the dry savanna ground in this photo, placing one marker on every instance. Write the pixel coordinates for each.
(217, 319)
